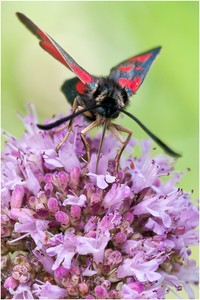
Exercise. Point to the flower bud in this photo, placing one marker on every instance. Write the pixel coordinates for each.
(100, 292)
(53, 205)
(62, 218)
(17, 197)
(83, 288)
(10, 282)
(60, 272)
(120, 238)
(74, 177)
(75, 212)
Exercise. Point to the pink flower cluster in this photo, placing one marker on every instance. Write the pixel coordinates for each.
(94, 236)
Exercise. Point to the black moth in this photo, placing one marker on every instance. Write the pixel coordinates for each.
(99, 99)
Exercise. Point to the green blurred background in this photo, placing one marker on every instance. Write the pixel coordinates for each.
(99, 35)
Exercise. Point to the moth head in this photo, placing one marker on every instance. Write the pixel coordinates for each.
(108, 108)
(110, 97)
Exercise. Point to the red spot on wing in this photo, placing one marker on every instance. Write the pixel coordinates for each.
(132, 85)
(45, 40)
(50, 48)
(40, 33)
(49, 45)
(126, 68)
(83, 75)
(141, 58)
(139, 68)
(80, 87)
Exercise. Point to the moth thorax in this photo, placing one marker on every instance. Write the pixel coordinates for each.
(108, 108)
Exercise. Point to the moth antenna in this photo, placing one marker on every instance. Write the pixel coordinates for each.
(65, 119)
(153, 136)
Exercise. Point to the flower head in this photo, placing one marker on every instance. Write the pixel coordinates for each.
(67, 234)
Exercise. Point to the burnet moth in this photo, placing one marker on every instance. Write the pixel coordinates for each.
(99, 99)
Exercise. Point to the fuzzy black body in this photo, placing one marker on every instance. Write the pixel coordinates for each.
(107, 94)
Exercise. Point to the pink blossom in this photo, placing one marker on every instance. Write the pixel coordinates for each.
(36, 228)
(68, 233)
(48, 291)
(95, 246)
(140, 268)
(23, 291)
(64, 252)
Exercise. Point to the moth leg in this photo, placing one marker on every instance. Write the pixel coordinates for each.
(115, 130)
(61, 128)
(75, 108)
(87, 147)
